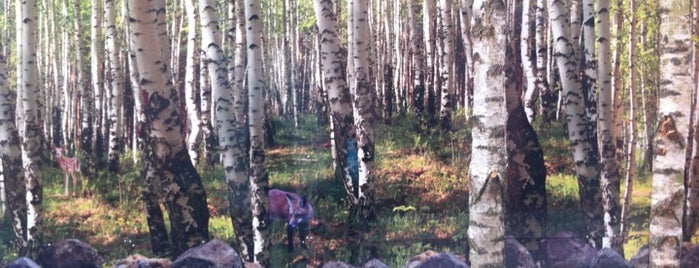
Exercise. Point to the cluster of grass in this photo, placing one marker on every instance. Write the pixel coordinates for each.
(421, 180)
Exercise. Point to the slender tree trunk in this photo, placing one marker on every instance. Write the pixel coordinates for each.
(546, 95)
(194, 136)
(692, 206)
(668, 194)
(115, 78)
(256, 119)
(446, 60)
(528, 60)
(342, 118)
(237, 178)
(184, 195)
(607, 136)
(466, 7)
(429, 28)
(488, 165)
(11, 157)
(96, 69)
(418, 67)
(631, 147)
(583, 146)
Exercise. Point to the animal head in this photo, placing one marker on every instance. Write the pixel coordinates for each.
(300, 210)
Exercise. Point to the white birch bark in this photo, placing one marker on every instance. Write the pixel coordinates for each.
(96, 66)
(489, 156)
(582, 142)
(527, 55)
(607, 136)
(256, 117)
(339, 98)
(29, 120)
(190, 81)
(446, 61)
(364, 103)
(668, 194)
(11, 157)
(115, 78)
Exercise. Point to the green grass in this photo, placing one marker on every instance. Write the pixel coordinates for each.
(421, 198)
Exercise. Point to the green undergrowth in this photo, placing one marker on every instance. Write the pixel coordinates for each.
(421, 196)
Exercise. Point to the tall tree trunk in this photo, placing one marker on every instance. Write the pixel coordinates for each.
(342, 118)
(194, 136)
(184, 195)
(583, 146)
(256, 119)
(607, 136)
(429, 27)
(466, 7)
(528, 59)
(237, 177)
(546, 95)
(446, 60)
(668, 194)
(419, 67)
(691, 214)
(488, 165)
(115, 78)
(32, 133)
(11, 157)
(363, 100)
(631, 147)
(96, 69)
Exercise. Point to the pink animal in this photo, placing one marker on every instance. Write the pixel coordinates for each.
(294, 210)
(70, 167)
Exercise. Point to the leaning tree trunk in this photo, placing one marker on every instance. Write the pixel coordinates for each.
(183, 192)
(489, 157)
(582, 142)
(11, 157)
(256, 119)
(668, 196)
(340, 100)
(32, 133)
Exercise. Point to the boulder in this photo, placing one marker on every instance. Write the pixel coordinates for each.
(430, 259)
(70, 253)
(516, 255)
(374, 263)
(337, 264)
(22, 262)
(566, 250)
(138, 261)
(214, 254)
(642, 258)
(608, 258)
(690, 258)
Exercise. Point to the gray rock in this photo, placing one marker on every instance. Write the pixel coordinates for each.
(22, 262)
(691, 258)
(443, 260)
(215, 254)
(139, 261)
(608, 258)
(374, 263)
(70, 253)
(642, 258)
(337, 264)
(566, 250)
(516, 255)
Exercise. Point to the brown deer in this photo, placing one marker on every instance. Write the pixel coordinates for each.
(70, 167)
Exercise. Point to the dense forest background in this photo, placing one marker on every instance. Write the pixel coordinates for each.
(410, 125)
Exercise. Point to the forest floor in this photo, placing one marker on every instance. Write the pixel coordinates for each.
(421, 199)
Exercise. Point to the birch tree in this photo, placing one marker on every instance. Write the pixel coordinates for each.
(32, 133)
(96, 68)
(339, 98)
(582, 142)
(238, 183)
(364, 105)
(668, 194)
(256, 120)
(11, 157)
(446, 60)
(486, 229)
(190, 81)
(184, 195)
(114, 78)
